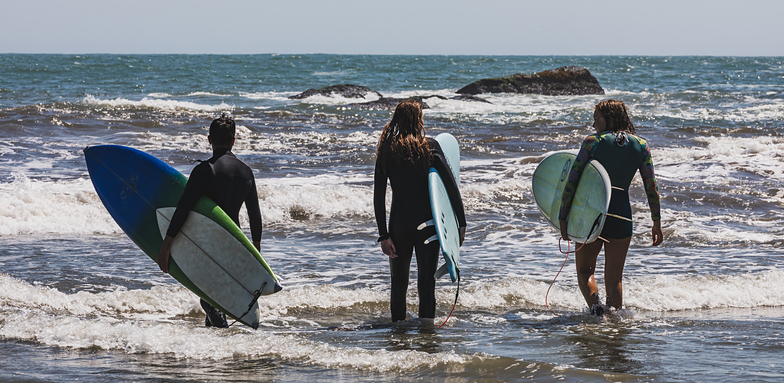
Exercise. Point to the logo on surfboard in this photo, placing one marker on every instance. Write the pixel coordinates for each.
(565, 171)
(129, 186)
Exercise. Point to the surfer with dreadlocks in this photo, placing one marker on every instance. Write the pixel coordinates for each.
(622, 154)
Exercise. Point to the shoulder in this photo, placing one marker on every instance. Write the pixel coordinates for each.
(638, 138)
(643, 143)
(434, 145)
(592, 141)
(202, 168)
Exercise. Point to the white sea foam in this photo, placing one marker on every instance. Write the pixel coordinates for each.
(143, 322)
(155, 103)
(336, 99)
(694, 292)
(200, 343)
(207, 94)
(62, 207)
(273, 95)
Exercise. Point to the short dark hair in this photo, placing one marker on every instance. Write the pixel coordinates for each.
(222, 131)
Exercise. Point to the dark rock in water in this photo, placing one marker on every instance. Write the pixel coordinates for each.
(345, 90)
(468, 97)
(563, 81)
(390, 103)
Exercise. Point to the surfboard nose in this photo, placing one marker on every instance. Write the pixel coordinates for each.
(278, 287)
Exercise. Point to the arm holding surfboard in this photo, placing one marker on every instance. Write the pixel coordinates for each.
(616, 146)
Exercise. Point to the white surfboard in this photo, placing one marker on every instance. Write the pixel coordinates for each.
(444, 217)
(591, 199)
(219, 265)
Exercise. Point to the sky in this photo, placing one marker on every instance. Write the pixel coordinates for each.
(443, 27)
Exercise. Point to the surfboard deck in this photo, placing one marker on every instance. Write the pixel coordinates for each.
(591, 198)
(444, 217)
(211, 256)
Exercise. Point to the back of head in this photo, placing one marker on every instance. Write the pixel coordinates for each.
(616, 116)
(404, 136)
(222, 132)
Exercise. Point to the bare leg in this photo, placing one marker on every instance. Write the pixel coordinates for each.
(586, 266)
(615, 257)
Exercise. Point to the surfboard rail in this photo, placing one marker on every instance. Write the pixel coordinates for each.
(591, 198)
(444, 218)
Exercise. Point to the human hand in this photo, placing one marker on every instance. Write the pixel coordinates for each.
(462, 234)
(163, 254)
(656, 232)
(564, 234)
(388, 248)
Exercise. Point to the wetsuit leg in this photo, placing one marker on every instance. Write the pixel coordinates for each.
(427, 263)
(215, 318)
(399, 268)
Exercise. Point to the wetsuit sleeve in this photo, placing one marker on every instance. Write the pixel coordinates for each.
(193, 191)
(380, 200)
(452, 190)
(649, 181)
(254, 211)
(586, 153)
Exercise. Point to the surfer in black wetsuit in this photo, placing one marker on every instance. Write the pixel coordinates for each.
(227, 181)
(404, 157)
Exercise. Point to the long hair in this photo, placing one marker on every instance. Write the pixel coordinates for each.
(616, 115)
(403, 138)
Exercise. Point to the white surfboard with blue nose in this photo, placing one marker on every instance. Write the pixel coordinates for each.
(444, 217)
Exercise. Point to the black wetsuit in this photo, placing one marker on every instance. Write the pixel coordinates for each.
(410, 208)
(230, 183)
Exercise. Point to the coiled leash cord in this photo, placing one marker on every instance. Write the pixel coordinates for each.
(567, 252)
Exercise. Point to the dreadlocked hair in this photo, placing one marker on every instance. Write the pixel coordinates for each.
(616, 115)
(403, 138)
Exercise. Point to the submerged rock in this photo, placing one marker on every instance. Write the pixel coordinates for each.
(468, 97)
(389, 103)
(344, 90)
(563, 81)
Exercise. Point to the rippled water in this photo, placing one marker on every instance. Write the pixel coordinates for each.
(78, 300)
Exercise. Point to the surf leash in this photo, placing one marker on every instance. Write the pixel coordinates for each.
(567, 252)
(457, 292)
(256, 295)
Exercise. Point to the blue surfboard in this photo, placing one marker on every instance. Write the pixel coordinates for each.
(210, 256)
(444, 217)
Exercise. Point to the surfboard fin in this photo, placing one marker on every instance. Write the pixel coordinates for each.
(434, 238)
(425, 224)
(441, 271)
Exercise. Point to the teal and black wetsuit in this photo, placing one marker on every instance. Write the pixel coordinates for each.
(229, 182)
(410, 208)
(622, 155)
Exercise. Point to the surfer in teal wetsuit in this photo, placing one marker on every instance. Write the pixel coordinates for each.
(622, 154)
(404, 157)
(229, 182)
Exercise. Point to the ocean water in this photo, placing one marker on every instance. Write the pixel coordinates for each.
(79, 301)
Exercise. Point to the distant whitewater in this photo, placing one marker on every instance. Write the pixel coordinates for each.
(78, 300)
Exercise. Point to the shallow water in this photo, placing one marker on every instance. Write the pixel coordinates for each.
(79, 301)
